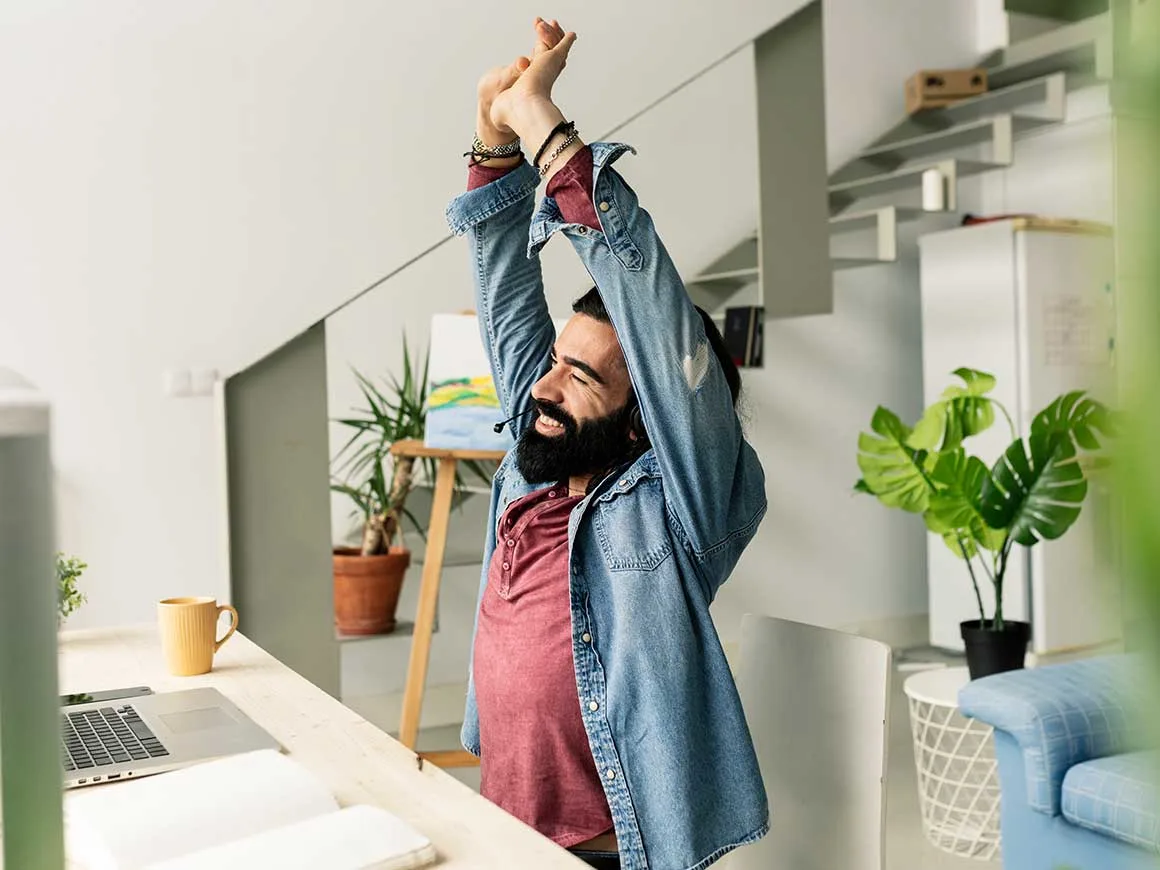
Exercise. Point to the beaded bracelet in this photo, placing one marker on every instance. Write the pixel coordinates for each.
(507, 149)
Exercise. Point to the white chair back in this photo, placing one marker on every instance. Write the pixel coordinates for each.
(818, 703)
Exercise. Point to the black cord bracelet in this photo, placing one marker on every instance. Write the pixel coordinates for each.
(478, 157)
(564, 127)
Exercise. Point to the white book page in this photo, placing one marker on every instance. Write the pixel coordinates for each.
(130, 825)
(355, 838)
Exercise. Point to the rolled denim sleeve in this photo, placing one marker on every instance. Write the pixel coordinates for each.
(713, 480)
(514, 323)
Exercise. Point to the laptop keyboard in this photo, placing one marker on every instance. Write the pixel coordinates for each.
(104, 737)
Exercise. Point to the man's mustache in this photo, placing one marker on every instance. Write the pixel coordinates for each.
(555, 412)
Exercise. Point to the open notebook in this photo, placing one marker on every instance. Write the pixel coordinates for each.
(255, 810)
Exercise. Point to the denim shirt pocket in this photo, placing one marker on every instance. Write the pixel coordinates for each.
(630, 523)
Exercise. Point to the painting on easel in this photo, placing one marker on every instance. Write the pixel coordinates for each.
(462, 405)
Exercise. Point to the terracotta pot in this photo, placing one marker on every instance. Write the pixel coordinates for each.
(366, 589)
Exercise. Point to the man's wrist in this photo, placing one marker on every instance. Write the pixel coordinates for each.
(534, 121)
(492, 137)
(487, 132)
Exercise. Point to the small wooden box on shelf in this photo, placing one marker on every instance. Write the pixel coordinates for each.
(935, 88)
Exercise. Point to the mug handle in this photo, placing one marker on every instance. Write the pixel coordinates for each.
(233, 625)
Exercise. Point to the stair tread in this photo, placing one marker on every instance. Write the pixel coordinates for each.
(727, 276)
(907, 173)
(853, 219)
(959, 135)
(1068, 47)
(855, 262)
(1011, 97)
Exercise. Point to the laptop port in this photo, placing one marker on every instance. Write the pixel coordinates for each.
(82, 781)
(96, 779)
(113, 776)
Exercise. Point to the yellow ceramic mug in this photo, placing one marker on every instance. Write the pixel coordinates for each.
(189, 633)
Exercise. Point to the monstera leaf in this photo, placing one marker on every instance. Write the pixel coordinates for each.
(1037, 486)
(891, 470)
(1035, 495)
(955, 510)
(1080, 418)
(959, 413)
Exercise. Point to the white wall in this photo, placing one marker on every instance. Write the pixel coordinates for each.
(190, 184)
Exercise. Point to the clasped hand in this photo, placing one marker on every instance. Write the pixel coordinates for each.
(507, 93)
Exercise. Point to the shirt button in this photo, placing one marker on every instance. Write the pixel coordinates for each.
(624, 483)
(610, 774)
(604, 206)
(506, 566)
(593, 706)
(552, 494)
(586, 637)
(582, 230)
(511, 543)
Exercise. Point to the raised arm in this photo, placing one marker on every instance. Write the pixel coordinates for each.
(713, 480)
(495, 213)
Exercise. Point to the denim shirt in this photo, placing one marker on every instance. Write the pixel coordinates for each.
(652, 543)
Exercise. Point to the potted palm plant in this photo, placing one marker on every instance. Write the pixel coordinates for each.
(1032, 492)
(368, 578)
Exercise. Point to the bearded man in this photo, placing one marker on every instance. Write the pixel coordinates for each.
(600, 702)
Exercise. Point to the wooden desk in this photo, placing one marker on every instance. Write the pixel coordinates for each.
(356, 760)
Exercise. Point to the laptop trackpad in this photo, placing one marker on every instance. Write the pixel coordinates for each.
(197, 720)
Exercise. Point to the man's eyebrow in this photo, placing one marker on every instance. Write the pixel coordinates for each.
(583, 366)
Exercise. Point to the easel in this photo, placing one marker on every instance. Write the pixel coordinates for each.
(429, 591)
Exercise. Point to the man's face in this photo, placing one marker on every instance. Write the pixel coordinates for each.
(581, 426)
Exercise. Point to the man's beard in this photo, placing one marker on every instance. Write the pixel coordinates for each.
(593, 447)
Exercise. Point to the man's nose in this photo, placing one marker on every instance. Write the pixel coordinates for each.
(547, 389)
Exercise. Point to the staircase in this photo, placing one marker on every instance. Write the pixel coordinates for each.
(869, 197)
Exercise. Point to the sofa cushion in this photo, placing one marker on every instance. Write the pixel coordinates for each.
(1062, 715)
(1116, 796)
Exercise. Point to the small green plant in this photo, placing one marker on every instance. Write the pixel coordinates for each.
(1032, 492)
(69, 598)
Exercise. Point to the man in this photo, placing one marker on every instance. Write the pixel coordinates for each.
(599, 699)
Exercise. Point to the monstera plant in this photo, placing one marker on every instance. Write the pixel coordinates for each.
(1031, 493)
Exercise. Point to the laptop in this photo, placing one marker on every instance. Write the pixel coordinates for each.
(139, 733)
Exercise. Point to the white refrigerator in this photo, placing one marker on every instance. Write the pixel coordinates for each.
(1032, 302)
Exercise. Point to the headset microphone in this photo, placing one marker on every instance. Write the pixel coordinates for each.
(498, 427)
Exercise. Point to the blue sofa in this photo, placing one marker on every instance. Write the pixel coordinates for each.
(1078, 786)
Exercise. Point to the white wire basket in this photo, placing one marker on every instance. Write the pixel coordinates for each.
(958, 781)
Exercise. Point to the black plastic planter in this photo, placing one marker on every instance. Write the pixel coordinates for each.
(993, 652)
